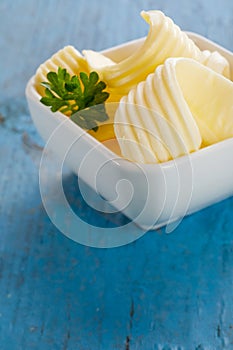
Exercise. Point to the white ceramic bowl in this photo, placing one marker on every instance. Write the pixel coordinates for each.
(152, 195)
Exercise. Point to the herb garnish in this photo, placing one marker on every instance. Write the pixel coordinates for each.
(72, 94)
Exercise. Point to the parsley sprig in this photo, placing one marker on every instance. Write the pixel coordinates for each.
(73, 94)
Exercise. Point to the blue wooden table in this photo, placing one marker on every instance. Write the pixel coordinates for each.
(162, 291)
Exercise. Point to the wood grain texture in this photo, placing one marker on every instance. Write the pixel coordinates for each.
(161, 292)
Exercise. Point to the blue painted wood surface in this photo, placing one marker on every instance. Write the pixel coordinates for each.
(162, 291)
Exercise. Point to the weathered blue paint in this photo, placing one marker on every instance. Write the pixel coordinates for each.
(161, 292)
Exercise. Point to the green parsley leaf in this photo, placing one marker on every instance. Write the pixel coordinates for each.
(72, 94)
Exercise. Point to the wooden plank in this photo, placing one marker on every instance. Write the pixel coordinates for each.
(160, 292)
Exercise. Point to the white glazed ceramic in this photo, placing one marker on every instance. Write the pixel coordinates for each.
(152, 195)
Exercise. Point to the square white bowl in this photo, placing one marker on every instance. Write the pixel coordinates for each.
(151, 195)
